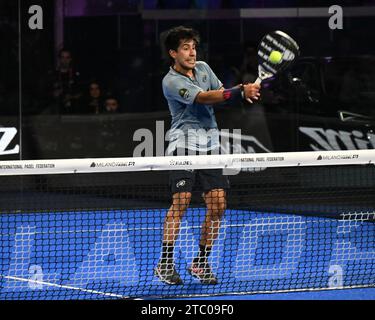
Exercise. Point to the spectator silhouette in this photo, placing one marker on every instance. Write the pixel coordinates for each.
(93, 102)
(65, 84)
(111, 105)
(249, 66)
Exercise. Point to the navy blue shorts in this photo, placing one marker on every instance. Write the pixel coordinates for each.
(208, 179)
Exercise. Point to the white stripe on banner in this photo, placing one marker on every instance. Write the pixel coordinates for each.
(224, 161)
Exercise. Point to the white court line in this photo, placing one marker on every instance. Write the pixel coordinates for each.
(286, 291)
(65, 287)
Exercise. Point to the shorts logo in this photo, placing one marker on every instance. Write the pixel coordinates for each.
(181, 183)
(184, 93)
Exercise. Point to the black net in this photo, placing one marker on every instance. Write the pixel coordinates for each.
(105, 236)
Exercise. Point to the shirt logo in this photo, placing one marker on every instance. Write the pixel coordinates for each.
(181, 183)
(204, 78)
(184, 93)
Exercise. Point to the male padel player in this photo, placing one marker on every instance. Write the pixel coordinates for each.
(191, 88)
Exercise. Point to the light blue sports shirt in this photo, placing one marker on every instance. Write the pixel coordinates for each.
(193, 124)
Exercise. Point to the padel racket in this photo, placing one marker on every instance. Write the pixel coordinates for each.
(276, 52)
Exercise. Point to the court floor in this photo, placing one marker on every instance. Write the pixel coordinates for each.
(347, 294)
(107, 254)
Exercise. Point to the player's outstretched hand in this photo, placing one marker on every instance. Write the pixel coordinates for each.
(251, 91)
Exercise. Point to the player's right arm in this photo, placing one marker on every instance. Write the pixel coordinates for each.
(188, 93)
(247, 91)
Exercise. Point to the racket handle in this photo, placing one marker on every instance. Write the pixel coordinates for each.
(257, 81)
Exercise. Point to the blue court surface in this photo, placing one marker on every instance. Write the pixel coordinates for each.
(111, 255)
(344, 294)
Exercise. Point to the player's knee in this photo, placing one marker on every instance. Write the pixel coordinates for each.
(221, 206)
(219, 210)
(216, 200)
(181, 201)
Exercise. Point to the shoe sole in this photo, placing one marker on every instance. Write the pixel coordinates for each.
(162, 279)
(193, 274)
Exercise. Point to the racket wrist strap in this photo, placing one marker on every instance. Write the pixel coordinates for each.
(234, 94)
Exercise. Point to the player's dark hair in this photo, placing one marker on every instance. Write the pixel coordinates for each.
(176, 35)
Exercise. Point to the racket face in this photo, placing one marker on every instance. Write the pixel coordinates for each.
(276, 41)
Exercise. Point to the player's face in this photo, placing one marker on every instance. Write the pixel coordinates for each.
(186, 55)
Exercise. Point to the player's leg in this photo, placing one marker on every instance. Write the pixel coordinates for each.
(181, 185)
(215, 185)
(216, 204)
(172, 223)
